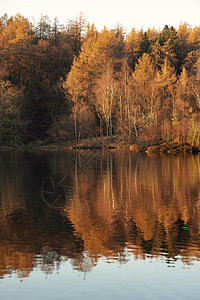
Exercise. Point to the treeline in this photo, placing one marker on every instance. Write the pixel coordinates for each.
(67, 82)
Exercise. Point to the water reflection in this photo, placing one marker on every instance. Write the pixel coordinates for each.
(84, 206)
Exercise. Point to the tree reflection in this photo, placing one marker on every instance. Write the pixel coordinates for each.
(150, 204)
(119, 205)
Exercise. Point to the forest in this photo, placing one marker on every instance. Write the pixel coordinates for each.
(61, 83)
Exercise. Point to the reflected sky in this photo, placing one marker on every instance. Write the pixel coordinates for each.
(147, 279)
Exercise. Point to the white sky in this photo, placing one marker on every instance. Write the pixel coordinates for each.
(131, 14)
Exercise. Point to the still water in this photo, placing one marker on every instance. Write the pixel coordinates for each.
(99, 225)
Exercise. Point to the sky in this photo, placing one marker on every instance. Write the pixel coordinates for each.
(130, 14)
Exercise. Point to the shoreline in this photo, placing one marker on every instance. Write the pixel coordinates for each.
(173, 147)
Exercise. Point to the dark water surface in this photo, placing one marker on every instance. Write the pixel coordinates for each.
(99, 225)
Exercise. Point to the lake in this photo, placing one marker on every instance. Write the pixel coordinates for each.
(99, 225)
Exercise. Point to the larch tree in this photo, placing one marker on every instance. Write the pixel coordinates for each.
(105, 98)
(76, 31)
(15, 43)
(124, 115)
(183, 107)
(166, 47)
(183, 42)
(44, 29)
(132, 46)
(12, 127)
(196, 83)
(144, 89)
(166, 79)
(97, 50)
(144, 83)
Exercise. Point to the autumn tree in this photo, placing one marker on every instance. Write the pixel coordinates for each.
(145, 94)
(133, 43)
(105, 98)
(12, 127)
(97, 50)
(73, 88)
(15, 45)
(166, 47)
(183, 106)
(124, 115)
(194, 38)
(183, 93)
(43, 29)
(166, 79)
(75, 31)
(145, 45)
(194, 62)
(184, 46)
